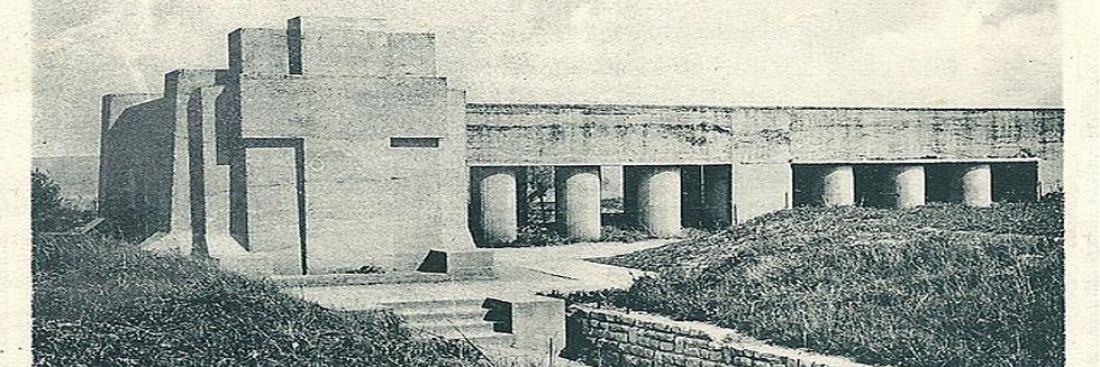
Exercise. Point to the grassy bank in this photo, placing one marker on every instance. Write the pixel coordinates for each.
(936, 286)
(100, 302)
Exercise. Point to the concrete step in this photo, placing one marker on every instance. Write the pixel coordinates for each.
(434, 305)
(426, 315)
(494, 339)
(455, 329)
(480, 338)
(458, 319)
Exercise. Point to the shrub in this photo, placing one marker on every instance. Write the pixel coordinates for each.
(49, 211)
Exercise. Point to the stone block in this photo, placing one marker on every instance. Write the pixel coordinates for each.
(535, 321)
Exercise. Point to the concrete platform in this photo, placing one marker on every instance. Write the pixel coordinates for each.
(520, 272)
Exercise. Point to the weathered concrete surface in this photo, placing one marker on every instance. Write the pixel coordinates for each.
(136, 163)
(349, 46)
(658, 199)
(577, 201)
(908, 184)
(494, 214)
(258, 52)
(617, 134)
(367, 201)
(536, 322)
(976, 183)
(838, 186)
(598, 134)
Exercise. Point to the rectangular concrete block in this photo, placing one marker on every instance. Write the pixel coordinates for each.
(537, 322)
(411, 54)
(258, 52)
(346, 46)
(114, 104)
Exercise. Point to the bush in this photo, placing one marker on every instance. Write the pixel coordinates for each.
(101, 302)
(935, 286)
(49, 211)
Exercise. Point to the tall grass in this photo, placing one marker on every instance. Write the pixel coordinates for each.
(101, 302)
(936, 286)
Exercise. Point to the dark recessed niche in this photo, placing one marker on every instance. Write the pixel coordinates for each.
(414, 142)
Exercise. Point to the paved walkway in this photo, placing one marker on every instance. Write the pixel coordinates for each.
(521, 272)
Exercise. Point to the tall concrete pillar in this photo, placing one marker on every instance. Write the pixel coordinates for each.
(977, 185)
(838, 186)
(658, 200)
(718, 195)
(496, 204)
(908, 183)
(577, 201)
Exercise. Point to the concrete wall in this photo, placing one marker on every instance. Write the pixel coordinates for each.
(616, 134)
(367, 202)
(603, 135)
(613, 338)
(347, 46)
(365, 199)
(136, 162)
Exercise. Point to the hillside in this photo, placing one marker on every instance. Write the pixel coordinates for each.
(935, 286)
(101, 302)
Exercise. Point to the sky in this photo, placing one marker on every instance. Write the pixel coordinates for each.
(980, 53)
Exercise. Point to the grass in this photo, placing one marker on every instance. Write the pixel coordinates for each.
(101, 302)
(942, 285)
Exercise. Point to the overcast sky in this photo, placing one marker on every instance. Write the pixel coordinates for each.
(995, 53)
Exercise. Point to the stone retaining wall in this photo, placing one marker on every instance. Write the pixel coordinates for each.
(613, 338)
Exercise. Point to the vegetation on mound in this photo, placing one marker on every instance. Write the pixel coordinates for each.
(50, 212)
(101, 302)
(934, 286)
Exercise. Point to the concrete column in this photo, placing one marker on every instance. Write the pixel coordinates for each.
(496, 206)
(577, 201)
(977, 185)
(838, 186)
(718, 195)
(908, 183)
(658, 200)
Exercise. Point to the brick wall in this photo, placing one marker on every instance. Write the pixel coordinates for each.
(613, 338)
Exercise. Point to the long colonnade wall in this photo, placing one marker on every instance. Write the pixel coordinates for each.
(762, 159)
